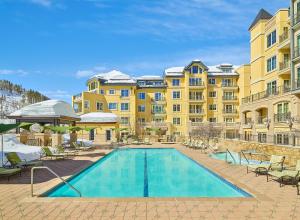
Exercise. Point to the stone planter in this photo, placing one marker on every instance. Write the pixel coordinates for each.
(43, 138)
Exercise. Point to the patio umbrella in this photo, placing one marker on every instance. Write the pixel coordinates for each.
(25, 125)
(3, 129)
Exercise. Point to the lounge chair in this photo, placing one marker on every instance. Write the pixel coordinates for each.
(276, 163)
(9, 172)
(136, 142)
(62, 150)
(48, 153)
(82, 147)
(289, 175)
(147, 141)
(16, 161)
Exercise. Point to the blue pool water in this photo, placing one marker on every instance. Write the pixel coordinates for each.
(148, 173)
(235, 159)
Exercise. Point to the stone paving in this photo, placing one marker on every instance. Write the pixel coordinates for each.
(269, 202)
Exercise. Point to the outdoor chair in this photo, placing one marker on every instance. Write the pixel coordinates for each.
(276, 163)
(289, 175)
(16, 161)
(48, 153)
(62, 150)
(7, 172)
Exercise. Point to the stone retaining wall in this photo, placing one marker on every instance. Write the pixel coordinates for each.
(292, 154)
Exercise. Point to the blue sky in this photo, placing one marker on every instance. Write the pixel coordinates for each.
(54, 45)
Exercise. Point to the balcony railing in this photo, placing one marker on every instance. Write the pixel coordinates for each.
(196, 84)
(296, 18)
(226, 85)
(229, 111)
(158, 112)
(248, 120)
(296, 52)
(196, 98)
(265, 94)
(282, 117)
(262, 120)
(284, 36)
(229, 97)
(297, 84)
(284, 65)
(161, 99)
(196, 111)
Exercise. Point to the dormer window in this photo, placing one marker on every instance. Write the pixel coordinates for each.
(195, 70)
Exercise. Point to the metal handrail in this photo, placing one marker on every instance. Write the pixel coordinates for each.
(244, 157)
(227, 151)
(51, 171)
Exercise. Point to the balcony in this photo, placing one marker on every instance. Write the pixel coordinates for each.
(262, 122)
(284, 67)
(248, 123)
(196, 85)
(230, 111)
(282, 117)
(161, 100)
(296, 52)
(77, 98)
(163, 112)
(229, 98)
(296, 19)
(284, 40)
(196, 111)
(196, 98)
(280, 90)
(229, 86)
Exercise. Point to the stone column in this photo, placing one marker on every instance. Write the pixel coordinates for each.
(56, 140)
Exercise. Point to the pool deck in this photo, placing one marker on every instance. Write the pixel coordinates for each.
(269, 201)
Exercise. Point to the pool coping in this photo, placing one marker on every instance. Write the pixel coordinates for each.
(56, 183)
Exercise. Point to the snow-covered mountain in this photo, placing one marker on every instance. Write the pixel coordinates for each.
(14, 97)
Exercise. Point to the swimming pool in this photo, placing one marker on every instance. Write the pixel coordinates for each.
(235, 159)
(140, 172)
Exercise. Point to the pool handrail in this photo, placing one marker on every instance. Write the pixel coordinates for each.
(227, 151)
(242, 153)
(55, 174)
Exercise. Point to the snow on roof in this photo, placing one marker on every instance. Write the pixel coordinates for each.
(49, 108)
(114, 76)
(99, 117)
(225, 69)
(174, 71)
(149, 77)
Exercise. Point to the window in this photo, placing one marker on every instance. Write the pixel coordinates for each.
(212, 81)
(176, 121)
(271, 63)
(157, 96)
(195, 82)
(112, 91)
(196, 95)
(282, 139)
(196, 119)
(262, 137)
(101, 91)
(141, 95)
(112, 106)
(227, 82)
(141, 108)
(212, 94)
(176, 108)
(272, 87)
(86, 104)
(175, 82)
(176, 94)
(196, 109)
(212, 120)
(228, 120)
(93, 85)
(124, 93)
(213, 107)
(141, 120)
(124, 120)
(157, 109)
(124, 106)
(99, 106)
(195, 70)
(271, 39)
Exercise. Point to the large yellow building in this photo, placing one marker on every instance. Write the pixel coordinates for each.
(269, 114)
(177, 103)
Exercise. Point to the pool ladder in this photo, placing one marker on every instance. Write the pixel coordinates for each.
(228, 152)
(55, 174)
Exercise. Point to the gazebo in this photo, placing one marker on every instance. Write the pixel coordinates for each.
(53, 112)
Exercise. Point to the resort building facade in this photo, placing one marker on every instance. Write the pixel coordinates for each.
(175, 104)
(270, 114)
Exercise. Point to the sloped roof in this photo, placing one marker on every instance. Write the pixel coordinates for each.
(174, 71)
(98, 117)
(262, 15)
(217, 70)
(149, 77)
(114, 76)
(46, 109)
